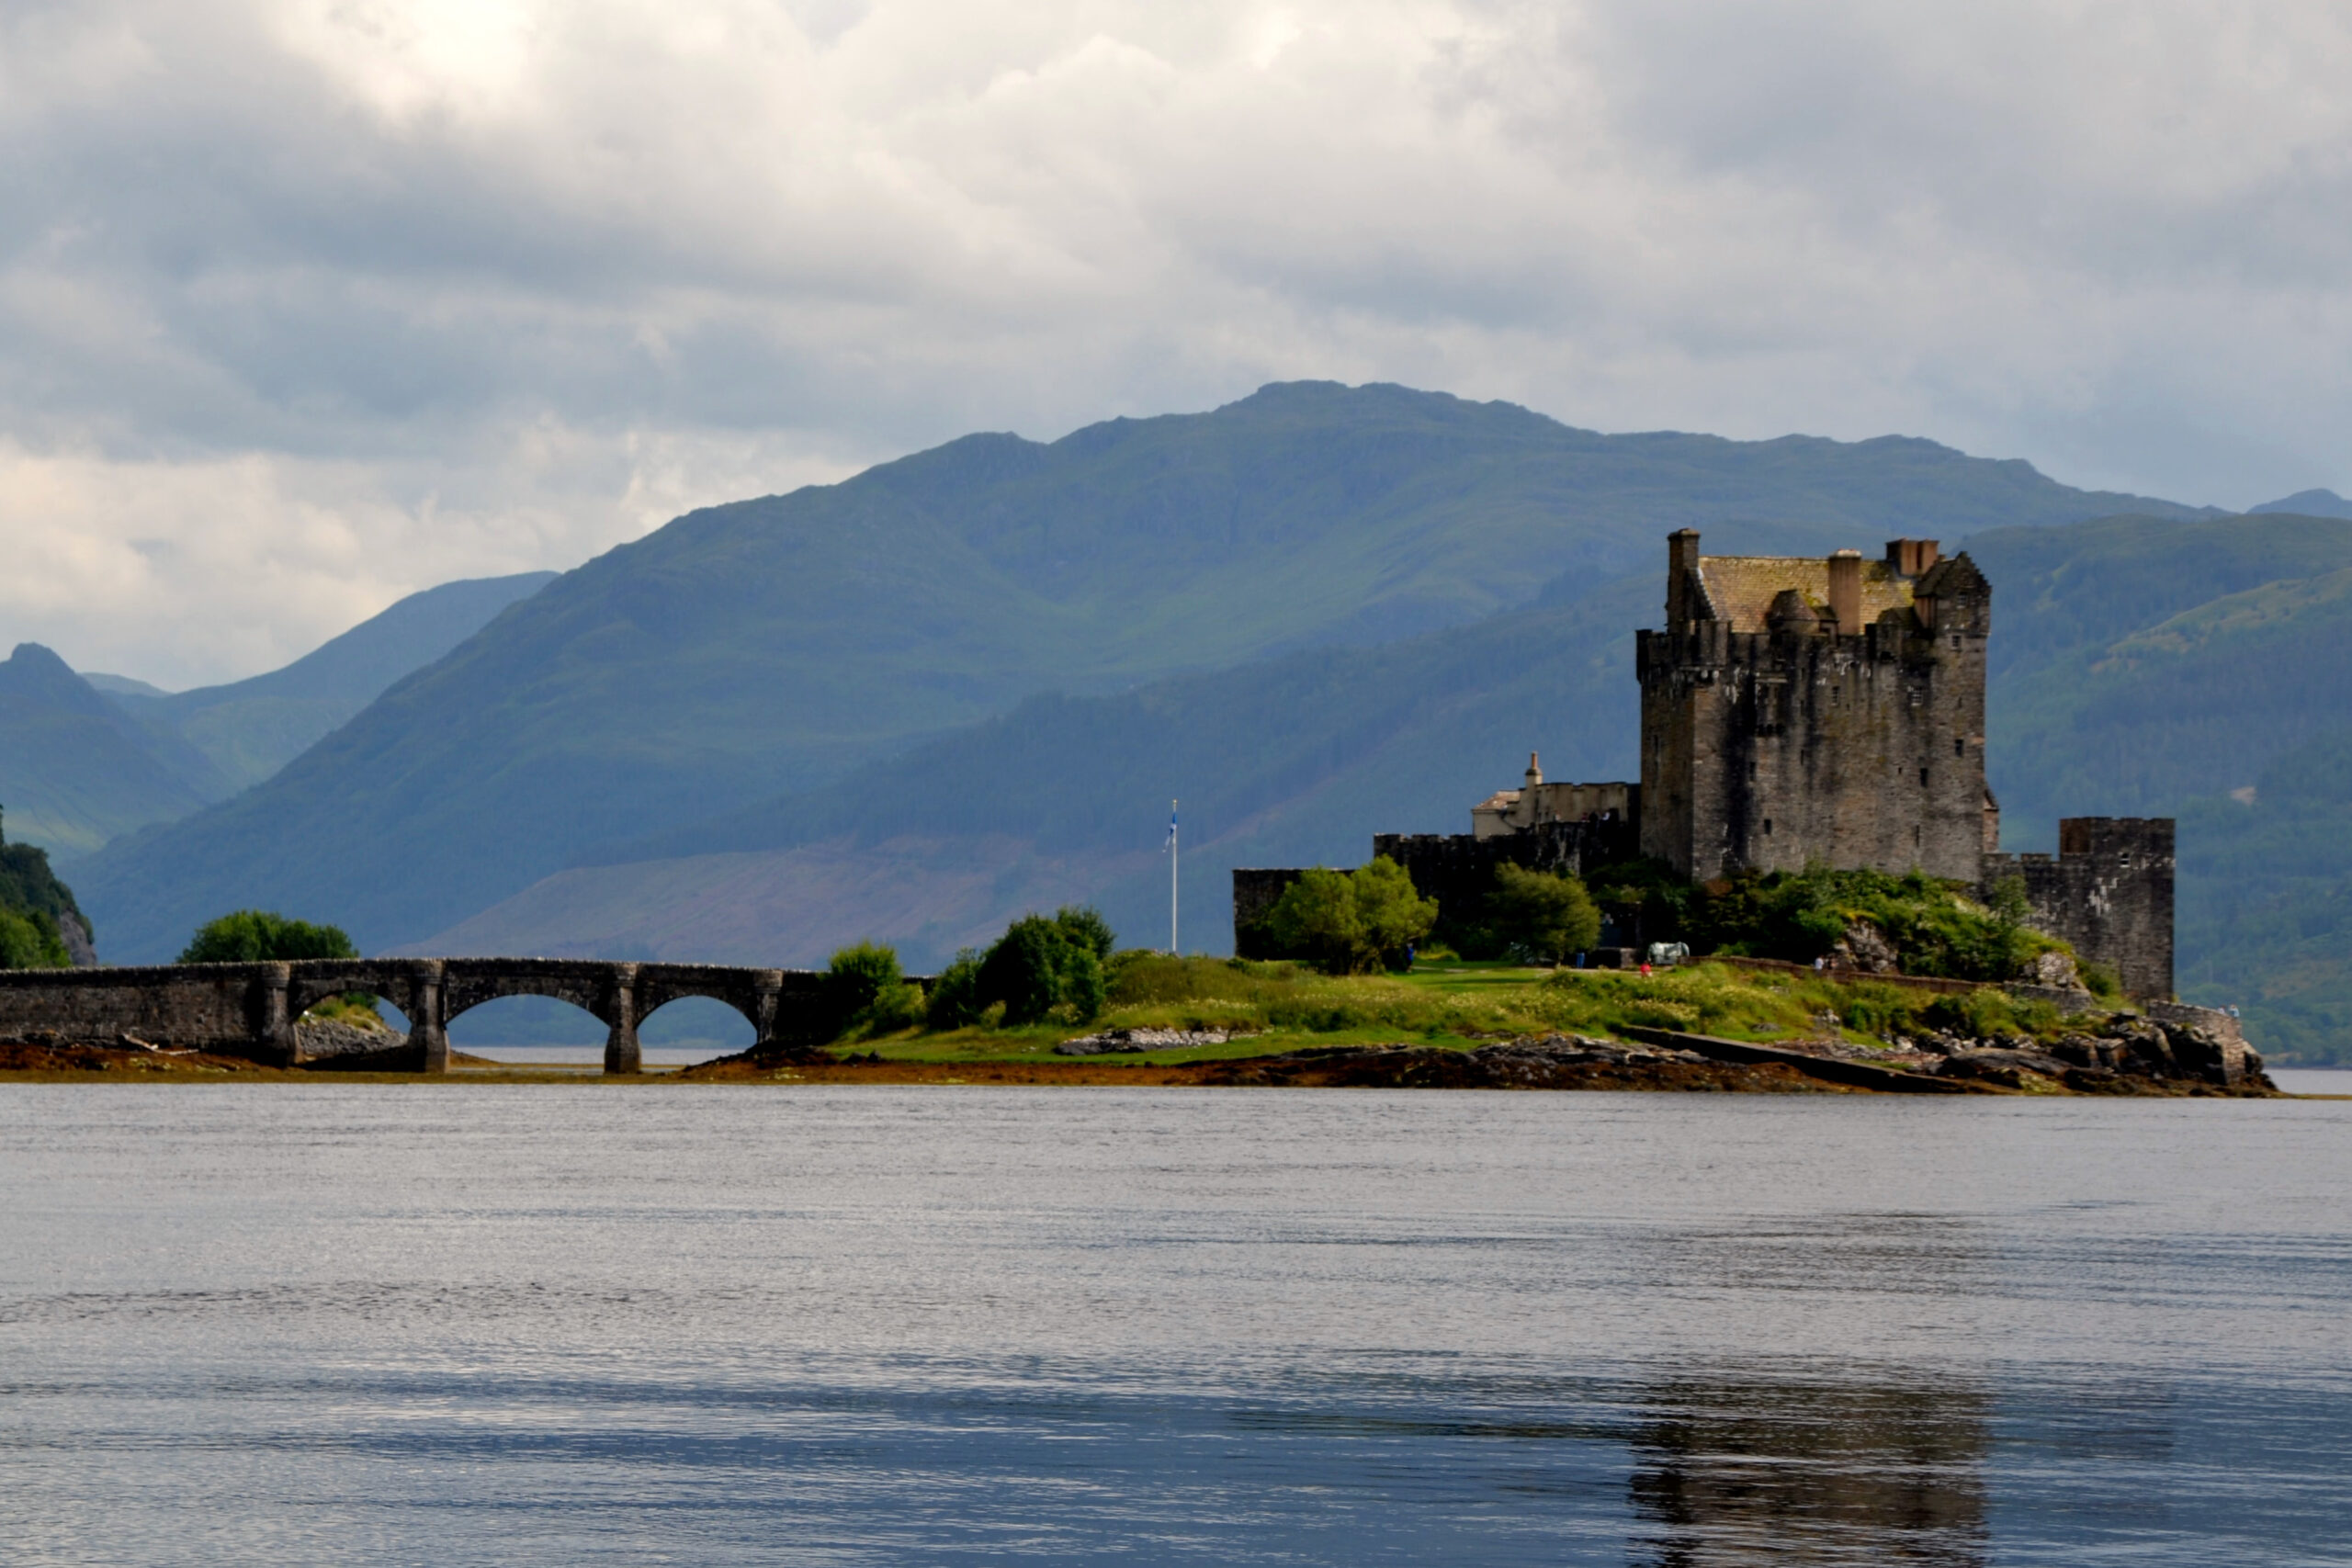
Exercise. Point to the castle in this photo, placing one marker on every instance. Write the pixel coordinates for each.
(1799, 710)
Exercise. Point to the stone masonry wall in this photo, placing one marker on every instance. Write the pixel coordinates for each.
(2108, 892)
(1765, 751)
(1456, 869)
(200, 1007)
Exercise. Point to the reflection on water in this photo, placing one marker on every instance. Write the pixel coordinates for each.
(558, 1326)
(1751, 1473)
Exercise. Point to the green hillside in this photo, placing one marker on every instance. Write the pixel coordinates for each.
(248, 729)
(2269, 927)
(40, 923)
(75, 770)
(2141, 663)
(774, 645)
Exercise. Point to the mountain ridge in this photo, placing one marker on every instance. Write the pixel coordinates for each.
(772, 646)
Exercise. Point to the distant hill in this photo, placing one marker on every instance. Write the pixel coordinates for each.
(75, 770)
(2269, 927)
(248, 729)
(122, 685)
(776, 645)
(2307, 504)
(1289, 761)
(2138, 663)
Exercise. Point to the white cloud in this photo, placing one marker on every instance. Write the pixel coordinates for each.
(329, 299)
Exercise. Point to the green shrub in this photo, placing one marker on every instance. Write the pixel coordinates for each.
(1983, 1014)
(955, 998)
(1351, 924)
(30, 940)
(1083, 990)
(1540, 914)
(1045, 967)
(253, 936)
(2102, 981)
(864, 992)
(30, 891)
(1933, 926)
(1083, 926)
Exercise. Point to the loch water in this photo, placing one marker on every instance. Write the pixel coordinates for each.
(581, 1324)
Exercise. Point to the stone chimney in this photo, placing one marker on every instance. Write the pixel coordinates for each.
(1912, 557)
(1846, 590)
(1682, 566)
(1535, 770)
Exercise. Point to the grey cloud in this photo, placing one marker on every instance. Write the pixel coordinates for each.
(396, 272)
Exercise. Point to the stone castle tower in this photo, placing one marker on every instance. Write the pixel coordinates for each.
(1801, 710)
(1829, 710)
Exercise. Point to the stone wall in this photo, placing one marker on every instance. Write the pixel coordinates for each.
(2107, 892)
(1458, 869)
(1256, 890)
(1455, 869)
(221, 1008)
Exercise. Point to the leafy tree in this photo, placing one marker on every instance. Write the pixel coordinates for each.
(1393, 915)
(1543, 914)
(30, 940)
(1037, 968)
(1083, 925)
(1350, 923)
(1314, 919)
(955, 999)
(2010, 903)
(1043, 966)
(29, 888)
(251, 936)
(866, 991)
(1024, 969)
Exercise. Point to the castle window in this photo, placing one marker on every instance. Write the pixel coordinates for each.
(1923, 778)
(1959, 747)
(1768, 824)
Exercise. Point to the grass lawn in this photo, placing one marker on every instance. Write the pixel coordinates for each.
(1284, 1007)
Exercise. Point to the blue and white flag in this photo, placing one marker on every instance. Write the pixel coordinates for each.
(1171, 830)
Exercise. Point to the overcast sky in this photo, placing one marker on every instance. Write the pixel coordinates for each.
(305, 304)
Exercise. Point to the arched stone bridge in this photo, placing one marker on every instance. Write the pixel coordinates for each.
(250, 1010)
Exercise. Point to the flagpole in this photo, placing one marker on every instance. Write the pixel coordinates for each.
(1173, 951)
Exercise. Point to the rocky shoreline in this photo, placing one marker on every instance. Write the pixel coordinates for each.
(2139, 1057)
(2193, 1053)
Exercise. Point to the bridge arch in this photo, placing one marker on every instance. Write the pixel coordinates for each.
(410, 985)
(623, 995)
